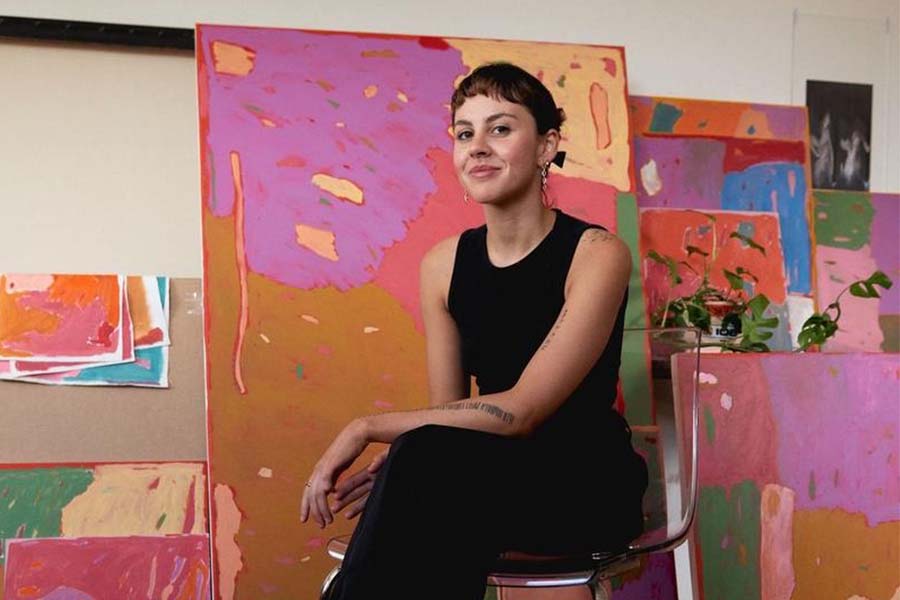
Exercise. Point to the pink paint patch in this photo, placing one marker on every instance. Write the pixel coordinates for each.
(776, 545)
(315, 542)
(383, 404)
(836, 268)
(325, 350)
(600, 113)
(106, 567)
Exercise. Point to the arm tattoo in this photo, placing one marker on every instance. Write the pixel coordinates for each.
(553, 331)
(491, 409)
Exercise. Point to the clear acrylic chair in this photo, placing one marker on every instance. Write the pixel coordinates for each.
(660, 370)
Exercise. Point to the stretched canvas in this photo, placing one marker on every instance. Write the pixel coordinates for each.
(857, 234)
(710, 155)
(799, 494)
(326, 175)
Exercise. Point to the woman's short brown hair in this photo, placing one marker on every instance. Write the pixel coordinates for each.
(508, 82)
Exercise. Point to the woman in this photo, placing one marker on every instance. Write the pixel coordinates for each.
(531, 305)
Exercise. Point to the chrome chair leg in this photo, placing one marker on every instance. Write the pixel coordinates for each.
(600, 589)
(329, 579)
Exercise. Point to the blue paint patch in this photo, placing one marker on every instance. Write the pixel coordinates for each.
(132, 373)
(752, 189)
(751, 130)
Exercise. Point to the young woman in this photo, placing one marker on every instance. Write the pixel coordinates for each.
(532, 305)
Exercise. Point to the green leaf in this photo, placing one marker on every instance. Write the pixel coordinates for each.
(879, 278)
(674, 277)
(758, 304)
(742, 271)
(748, 240)
(734, 280)
(859, 289)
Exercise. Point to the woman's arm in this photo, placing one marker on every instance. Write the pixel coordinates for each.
(595, 289)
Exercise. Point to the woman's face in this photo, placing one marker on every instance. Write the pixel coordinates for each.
(497, 151)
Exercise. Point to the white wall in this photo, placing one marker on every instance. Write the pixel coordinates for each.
(99, 152)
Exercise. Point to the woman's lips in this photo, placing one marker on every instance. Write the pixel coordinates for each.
(483, 172)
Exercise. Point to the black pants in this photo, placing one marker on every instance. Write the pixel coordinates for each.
(447, 501)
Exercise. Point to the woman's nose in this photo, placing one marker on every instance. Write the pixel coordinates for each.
(478, 146)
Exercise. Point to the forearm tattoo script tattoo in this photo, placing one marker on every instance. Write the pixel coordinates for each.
(491, 409)
(553, 331)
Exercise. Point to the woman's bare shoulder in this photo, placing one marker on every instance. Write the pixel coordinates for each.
(441, 256)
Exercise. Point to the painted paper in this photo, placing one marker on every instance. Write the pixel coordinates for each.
(326, 176)
(73, 318)
(151, 323)
(125, 568)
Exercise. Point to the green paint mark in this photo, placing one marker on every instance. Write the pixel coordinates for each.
(34, 499)
(325, 201)
(634, 371)
(254, 109)
(812, 485)
(561, 82)
(490, 593)
(334, 103)
(751, 130)
(890, 327)
(863, 567)
(370, 168)
(709, 423)
(160, 521)
(702, 124)
(664, 118)
(843, 219)
(299, 371)
(729, 529)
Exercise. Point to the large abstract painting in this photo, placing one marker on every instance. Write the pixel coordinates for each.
(326, 175)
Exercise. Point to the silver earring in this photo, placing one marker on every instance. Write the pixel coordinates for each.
(544, 172)
(466, 196)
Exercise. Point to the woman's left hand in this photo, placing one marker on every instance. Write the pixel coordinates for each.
(348, 445)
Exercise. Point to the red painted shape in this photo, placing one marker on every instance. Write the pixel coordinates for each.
(609, 65)
(741, 153)
(434, 43)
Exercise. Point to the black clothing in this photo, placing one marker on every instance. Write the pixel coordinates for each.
(448, 500)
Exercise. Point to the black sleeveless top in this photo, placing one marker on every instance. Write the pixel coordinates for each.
(504, 313)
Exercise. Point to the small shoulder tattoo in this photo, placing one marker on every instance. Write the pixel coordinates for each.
(598, 235)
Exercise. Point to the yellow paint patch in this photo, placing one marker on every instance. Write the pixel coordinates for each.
(609, 165)
(267, 122)
(310, 319)
(320, 241)
(134, 499)
(341, 188)
(836, 554)
(265, 473)
(370, 91)
(232, 59)
(402, 97)
(370, 329)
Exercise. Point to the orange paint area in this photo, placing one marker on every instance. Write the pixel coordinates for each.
(240, 253)
(600, 114)
(320, 241)
(232, 59)
(838, 555)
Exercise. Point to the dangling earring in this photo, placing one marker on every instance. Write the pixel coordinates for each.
(544, 171)
(466, 196)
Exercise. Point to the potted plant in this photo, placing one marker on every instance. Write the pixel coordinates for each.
(728, 318)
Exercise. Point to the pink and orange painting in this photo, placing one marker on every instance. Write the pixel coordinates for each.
(799, 494)
(326, 176)
(75, 318)
(101, 568)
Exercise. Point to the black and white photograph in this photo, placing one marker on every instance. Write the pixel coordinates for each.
(840, 125)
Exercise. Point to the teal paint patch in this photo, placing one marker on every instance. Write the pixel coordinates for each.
(324, 201)
(729, 528)
(211, 163)
(811, 487)
(334, 103)
(751, 130)
(31, 500)
(709, 424)
(664, 118)
(299, 371)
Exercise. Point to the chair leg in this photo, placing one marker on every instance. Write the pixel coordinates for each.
(601, 589)
(326, 585)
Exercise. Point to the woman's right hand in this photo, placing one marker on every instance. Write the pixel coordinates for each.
(356, 488)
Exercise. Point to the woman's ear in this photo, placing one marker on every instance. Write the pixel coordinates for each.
(550, 146)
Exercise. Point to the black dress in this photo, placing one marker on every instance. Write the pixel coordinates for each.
(448, 500)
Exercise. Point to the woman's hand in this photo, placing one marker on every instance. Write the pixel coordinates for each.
(357, 487)
(349, 444)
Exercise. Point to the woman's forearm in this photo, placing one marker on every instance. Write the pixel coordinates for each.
(491, 413)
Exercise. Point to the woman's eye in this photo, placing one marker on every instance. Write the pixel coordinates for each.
(463, 135)
(501, 129)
